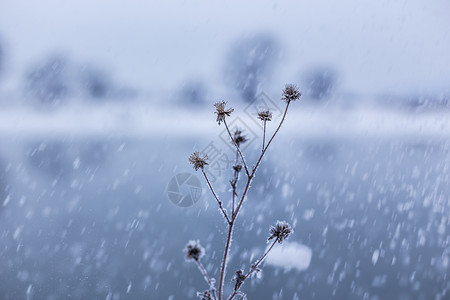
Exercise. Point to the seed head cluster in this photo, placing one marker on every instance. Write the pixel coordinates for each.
(194, 251)
(265, 115)
(198, 161)
(222, 112)
(238, 137)
(239, 277)
(237, 168)
(280, 231)
(290, 93)
(206, 295)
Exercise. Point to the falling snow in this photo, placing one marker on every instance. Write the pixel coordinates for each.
(101, 108)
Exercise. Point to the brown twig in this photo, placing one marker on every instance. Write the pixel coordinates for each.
(253, 268)
(225, 256)
(282, 229)
(234, 181)
(264, 136)
(250, 176)
(271, 139)
(241, 201)
(206, 277)
(216, 197)
(237, 147)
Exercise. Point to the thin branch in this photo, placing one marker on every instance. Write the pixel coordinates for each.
(225, 256)
(241, 201)
(264, 136)
(206, 277)
(270, 141)
(234, 181)
(253, 268)
(216, 197)
(250, 176)
(237, 147)
(249, 180)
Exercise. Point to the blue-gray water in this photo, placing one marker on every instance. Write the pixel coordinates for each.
(88, 218)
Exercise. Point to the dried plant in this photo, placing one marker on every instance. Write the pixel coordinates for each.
(198, 161)
(221, 112)
(277, 233)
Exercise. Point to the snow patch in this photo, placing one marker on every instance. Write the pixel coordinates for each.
(290, 255)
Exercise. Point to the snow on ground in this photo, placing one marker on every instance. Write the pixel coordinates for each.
(290, 255)
(146, 119)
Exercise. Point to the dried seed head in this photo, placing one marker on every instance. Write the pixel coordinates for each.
(194, 250)
(265, 115)
(280, 231)
(222, 112)
(198, 161)
(239, 278)
(238, 137)
(290, 93)
(237, 168)
(206, 295)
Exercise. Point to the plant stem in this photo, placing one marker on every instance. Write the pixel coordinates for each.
(225, 256)
(271, 139)
(264, 136)
(234, 182)
(253, 268)
(216, 197)
(241, 201)
(237, 147)
(206, 277)
(250, 176)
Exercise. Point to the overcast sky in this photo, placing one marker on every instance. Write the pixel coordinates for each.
(376, 46)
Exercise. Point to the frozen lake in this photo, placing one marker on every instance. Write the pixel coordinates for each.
(85, 212)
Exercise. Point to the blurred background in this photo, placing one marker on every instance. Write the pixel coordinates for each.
(102, 102)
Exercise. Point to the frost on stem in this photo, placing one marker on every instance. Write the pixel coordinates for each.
(198, 161)
(291, 93)
(280, 231)
(194, 251)
(222, 112)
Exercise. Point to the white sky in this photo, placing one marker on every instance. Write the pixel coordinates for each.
(377, 46)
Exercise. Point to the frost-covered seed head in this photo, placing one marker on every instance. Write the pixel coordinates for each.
(265, 115)
(194, 250)
(239, 278)
(237, 168)
(280, 231)
(290, 93)
(198, 161)
(206, 295)
(238, 137)
(222, 112)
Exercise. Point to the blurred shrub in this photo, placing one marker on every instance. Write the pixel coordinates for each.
(95, 83)
(193, 92)
(250, 62)
(320, 82)
(49, 81)
(58, 79)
